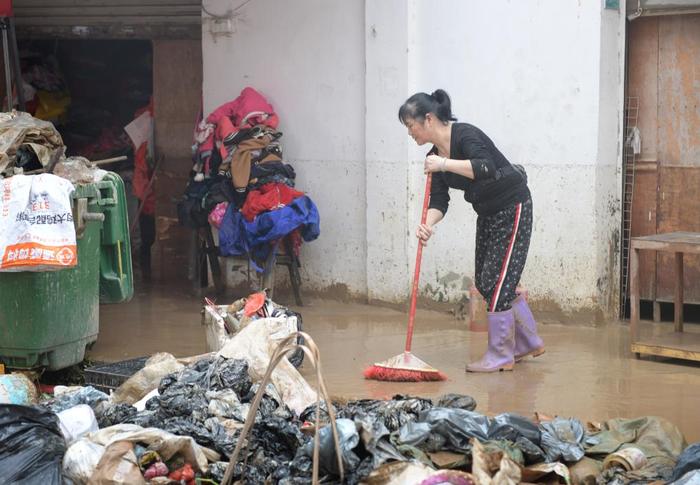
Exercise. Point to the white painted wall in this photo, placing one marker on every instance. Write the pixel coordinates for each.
(307, 58)
(542, 77)
(544, 80)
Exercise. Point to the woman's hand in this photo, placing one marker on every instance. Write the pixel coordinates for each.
(434, 163)
(423, 233)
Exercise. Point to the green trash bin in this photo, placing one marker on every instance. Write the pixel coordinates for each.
(47, 319)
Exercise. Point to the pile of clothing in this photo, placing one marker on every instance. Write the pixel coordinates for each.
(241, 184)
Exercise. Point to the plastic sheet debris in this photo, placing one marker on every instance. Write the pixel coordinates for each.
(348, 438)
(690, 478)
(562, 439)
(222, 322)
(165, 444)
(688, 461)
(146, 379)
(117, 414)
(484, 464)
(31, 445)
(118, 466)
(445, 429)
(97, 400)
(459, 401)
(78, 170)
(394, 413)
(76, 422)
(255, 344)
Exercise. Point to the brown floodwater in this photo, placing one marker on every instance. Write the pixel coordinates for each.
(587, 372)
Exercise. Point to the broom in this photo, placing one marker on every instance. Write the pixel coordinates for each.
(406, 367)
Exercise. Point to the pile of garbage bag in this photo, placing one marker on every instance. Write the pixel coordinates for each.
(179, 421)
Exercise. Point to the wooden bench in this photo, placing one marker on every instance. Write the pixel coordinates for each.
(678, 344)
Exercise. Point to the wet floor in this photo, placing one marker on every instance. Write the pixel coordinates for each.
(587, 372)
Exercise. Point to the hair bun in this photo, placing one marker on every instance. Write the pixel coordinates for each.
(440, 95)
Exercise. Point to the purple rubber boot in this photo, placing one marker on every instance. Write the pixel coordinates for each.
(527, 342)
(499, 355)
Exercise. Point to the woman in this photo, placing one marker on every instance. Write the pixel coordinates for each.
(464, 158)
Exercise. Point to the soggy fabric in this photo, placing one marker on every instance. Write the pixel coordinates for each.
(242, 159)
(31, 446)
(249, 109)
(688, 461)
(659, 439)
(266, 198)
(262, 172)
(655, 436)
(238, 237)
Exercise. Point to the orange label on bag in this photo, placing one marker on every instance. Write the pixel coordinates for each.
(34, 254)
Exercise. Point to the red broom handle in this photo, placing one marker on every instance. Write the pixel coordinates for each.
(416, 274)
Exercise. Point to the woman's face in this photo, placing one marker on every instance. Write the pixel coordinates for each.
(418, 130)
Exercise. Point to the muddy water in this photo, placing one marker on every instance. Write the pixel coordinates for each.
(587, 372)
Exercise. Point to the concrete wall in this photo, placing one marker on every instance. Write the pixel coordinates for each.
(542, 78)
(177, 81)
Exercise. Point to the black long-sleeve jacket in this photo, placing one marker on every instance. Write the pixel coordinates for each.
(496, 185)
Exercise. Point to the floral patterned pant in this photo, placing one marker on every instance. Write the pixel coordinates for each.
(502, 242)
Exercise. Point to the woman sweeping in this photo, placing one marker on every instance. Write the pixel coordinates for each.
(464, 158)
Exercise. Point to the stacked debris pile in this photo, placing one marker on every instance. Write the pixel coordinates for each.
(200, 410)
(179, 421)
(241, 184)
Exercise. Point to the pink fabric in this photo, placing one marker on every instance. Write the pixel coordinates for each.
(247, 102)
(217, 214)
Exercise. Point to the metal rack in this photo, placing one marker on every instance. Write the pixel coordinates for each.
(628, 168)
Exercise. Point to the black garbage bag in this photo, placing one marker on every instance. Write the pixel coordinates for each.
(31, 445)
(309, 414)
(525, 434)
(445, 429)
(116, 414)
(459, 401)
(562, 439)
(178, 400)
(395, 412)
(229, 374)
(278, 437)
(687, 461)
(348, 438)
(376, 440)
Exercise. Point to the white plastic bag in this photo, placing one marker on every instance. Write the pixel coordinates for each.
(80, 461)
(36, 224)
(76, 422)
(256, 343)
(144, 381)
(166, 444)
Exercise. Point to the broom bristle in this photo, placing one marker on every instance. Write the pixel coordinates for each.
(379, 373)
